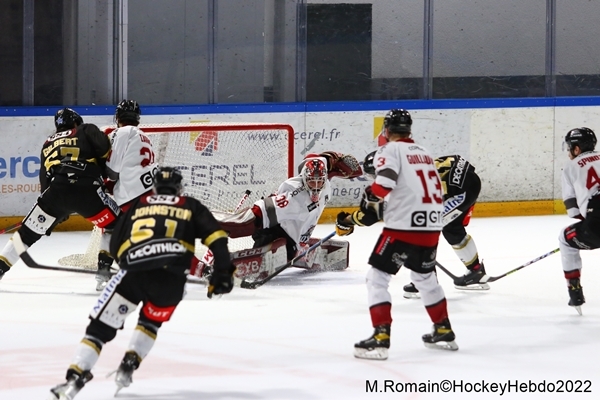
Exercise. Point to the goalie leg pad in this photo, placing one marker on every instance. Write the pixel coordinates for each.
(240, 224)
(332, 255)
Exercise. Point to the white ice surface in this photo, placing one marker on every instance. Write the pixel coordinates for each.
(293, 338)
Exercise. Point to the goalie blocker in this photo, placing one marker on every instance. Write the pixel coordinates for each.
(258, 263)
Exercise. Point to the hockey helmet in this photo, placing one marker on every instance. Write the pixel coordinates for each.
(314, 174)
(368, 167)
(128, 111)
(168, 180)
(66, 119)
(397, 120)
(584, 138)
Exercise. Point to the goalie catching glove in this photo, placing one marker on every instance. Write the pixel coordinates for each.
(342, 165)
(343, 227)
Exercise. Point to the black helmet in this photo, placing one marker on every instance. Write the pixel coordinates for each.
(584, 138)
(368, 167)
(128, 111)
(397, 120)
(66, 118)
(167, 180)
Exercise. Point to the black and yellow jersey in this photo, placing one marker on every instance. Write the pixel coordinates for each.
(159, 231)
(456, 174)
(76, 153)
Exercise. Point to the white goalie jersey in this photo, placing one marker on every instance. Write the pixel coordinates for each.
(131, 163)
(293, 208)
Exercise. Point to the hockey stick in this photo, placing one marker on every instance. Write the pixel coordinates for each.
(11, 228)
(247, 194)
(254, 284)
(495, 278)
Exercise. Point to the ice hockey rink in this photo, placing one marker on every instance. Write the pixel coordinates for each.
(293, 337)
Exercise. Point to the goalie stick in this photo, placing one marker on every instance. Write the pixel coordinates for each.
(495, 278)
(254, 284)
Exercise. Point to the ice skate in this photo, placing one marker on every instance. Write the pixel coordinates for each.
(69, 389)
(411, 292)
(576, 294)
(3, 268)
(442, 337)
(473, 279)
(124, 374)
(376, 347)
(103, 274)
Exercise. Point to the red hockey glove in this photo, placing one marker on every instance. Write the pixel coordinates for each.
(342, 226)
(342, 165)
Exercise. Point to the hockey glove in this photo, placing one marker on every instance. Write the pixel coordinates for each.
(342, 226)
(109, 186)
(342, 165)
(371, 204)
(221, 281)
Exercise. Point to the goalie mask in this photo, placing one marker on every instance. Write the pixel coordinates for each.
(128, 111)
(584, 138)
(314, 174)
(66, 119)
(167, 180)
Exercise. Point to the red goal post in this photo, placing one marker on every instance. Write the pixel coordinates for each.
(219, 161)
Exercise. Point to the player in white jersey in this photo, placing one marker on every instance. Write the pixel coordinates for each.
(581, 195)
(130, 168)
(407, 194)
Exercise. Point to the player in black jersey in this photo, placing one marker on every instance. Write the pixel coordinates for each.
(71, 177)
(153, 243)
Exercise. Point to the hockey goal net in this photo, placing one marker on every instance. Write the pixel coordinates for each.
(219, 163)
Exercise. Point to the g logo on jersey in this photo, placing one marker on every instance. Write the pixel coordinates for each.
(420, 219)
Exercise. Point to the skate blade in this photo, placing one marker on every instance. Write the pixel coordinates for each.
(475, 286)
(451, 346)
(52, 396)
(411, 295)
(578, 309)
(375, 354)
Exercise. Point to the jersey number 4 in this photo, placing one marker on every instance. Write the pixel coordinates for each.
(427, 178)
(592, 178)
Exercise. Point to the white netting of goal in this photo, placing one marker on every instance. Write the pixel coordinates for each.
(219, 162)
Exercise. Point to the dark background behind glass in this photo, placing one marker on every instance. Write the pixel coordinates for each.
(256, 51)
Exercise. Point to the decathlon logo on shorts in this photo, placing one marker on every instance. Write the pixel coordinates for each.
(155, 249)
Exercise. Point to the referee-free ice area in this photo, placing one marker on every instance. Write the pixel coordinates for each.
(293, 337)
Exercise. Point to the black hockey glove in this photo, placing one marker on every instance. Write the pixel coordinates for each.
(221, 281)
(371, 204)
(342, 226)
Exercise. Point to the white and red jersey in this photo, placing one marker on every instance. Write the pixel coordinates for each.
(293, 209)
(407, 180)
(130, 163)
(580, 180)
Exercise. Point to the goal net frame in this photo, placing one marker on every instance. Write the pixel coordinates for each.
(215, 147)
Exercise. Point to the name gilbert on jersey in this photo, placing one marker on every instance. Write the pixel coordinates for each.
(589, 159)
